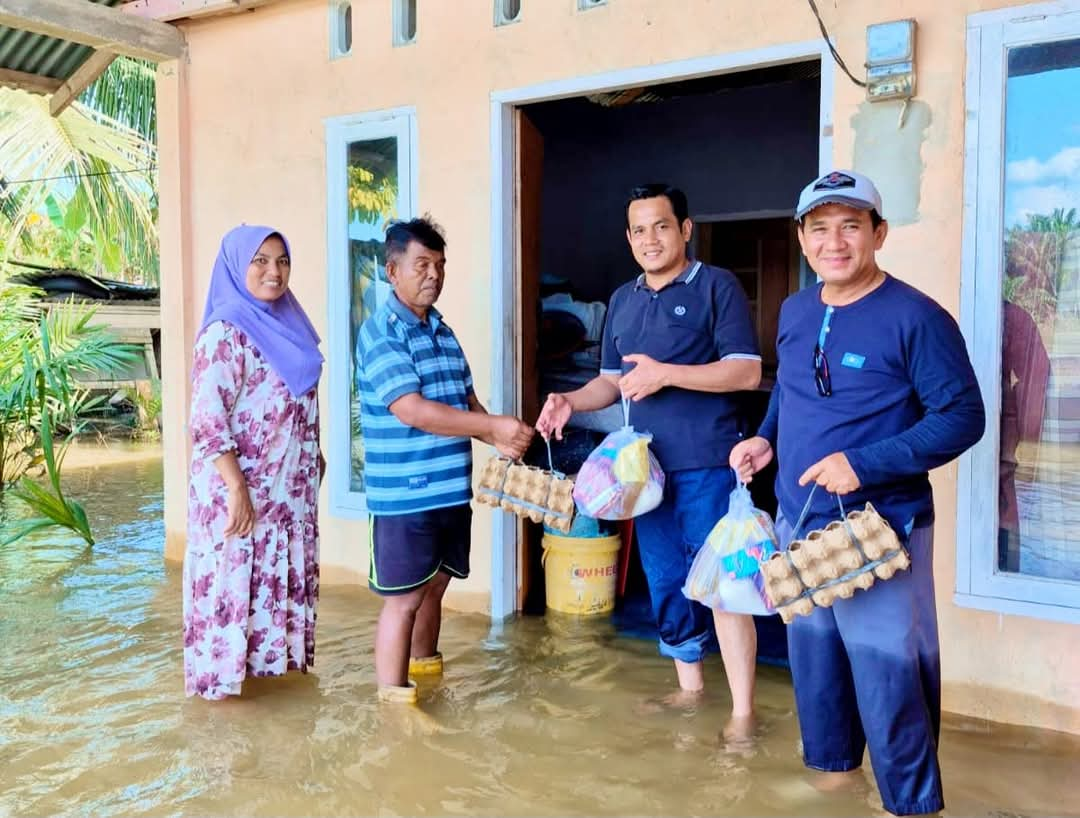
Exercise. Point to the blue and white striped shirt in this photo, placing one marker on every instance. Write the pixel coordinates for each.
(407, 469)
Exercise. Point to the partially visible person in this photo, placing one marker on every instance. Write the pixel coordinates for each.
(1025, 375)
(678, 342)
(251, 569)
(874, 388)
(419, 411)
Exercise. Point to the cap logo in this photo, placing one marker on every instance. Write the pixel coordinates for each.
(834, 181)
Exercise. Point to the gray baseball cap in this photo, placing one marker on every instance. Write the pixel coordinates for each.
(844, 187)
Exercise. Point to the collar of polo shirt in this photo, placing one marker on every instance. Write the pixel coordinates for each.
(685, 277)
(409, 317)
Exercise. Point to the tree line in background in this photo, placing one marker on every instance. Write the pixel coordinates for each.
(1041, 275)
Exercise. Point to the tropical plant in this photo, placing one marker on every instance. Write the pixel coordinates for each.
(18, 438)
(126, 93)
(42, 353)
(1034, 262)
(372, 180)
(373, 194)
(1060, 221)
(55, 509)
(88, 168)
(147, 412)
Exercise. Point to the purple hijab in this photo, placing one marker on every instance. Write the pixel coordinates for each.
(280, 330)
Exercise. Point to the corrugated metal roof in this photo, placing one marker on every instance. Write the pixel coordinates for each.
(44, 56)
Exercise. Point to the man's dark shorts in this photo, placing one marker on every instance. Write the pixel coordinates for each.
(408, 550)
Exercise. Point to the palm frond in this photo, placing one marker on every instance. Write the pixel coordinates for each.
(100, 158)
(126, 93)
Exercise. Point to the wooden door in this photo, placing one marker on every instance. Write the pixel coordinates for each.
(762, 255)
(528, 200)
(759, 253)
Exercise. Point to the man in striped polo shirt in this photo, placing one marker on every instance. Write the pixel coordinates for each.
(419, 411)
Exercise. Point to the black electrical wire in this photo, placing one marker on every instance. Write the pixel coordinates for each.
(828, 42)
(8, 182)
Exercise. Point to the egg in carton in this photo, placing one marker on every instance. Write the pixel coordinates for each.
(560, 504)
(510, 486)
(784, 588)
(841, 555)
(491, 481)
(816, 556)
(528, 484)
(824, 597)
(510, 497)
(878, 539)
(798, 607)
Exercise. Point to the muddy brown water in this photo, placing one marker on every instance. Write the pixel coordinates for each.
(542, 716)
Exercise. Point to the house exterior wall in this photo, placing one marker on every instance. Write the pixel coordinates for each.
(243, 140)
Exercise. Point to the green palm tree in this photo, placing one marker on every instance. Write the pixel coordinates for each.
(126, 93)
(1059, 221)
(95, 161)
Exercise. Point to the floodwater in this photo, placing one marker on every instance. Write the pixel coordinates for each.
(544, 716)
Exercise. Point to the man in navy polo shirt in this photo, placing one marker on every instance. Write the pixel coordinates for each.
(678, 341)
(419, 411)
(874, 389)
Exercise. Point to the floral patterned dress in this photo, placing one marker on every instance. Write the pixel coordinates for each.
(249, 602)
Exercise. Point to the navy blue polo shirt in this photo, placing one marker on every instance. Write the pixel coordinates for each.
(904, 400)
(699, 318)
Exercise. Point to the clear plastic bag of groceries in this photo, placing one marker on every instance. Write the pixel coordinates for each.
(725, 574)
(621, 478)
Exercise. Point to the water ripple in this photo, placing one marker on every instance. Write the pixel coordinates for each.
(535, 717)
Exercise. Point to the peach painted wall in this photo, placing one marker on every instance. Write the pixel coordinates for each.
(243, 140)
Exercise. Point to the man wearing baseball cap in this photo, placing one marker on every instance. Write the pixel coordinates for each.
(874, 388)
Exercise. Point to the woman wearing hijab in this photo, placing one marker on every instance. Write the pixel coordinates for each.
(251, 569)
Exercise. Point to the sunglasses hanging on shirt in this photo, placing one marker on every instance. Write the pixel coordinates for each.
(822, 380)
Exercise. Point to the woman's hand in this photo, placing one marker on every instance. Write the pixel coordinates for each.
(241, 519)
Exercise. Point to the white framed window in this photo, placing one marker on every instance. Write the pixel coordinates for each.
(340, 28)
(507, 11)
(1018, 526)
(404, 22)
(585, 5)
(371, 178)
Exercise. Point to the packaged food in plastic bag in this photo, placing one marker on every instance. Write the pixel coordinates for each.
(726, 573)
(621, 478)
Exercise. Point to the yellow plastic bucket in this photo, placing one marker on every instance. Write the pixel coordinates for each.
(580, 573)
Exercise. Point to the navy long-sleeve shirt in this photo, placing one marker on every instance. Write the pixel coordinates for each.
(904, 400)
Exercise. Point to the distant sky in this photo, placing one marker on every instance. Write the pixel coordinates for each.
(1042, 143)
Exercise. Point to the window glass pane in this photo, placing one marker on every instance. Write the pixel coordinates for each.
(372, 199)
(405, 19)
(1039, 478)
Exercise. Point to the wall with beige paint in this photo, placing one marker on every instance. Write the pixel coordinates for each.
(242, 140)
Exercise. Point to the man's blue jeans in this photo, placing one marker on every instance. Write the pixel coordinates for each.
(668, 539)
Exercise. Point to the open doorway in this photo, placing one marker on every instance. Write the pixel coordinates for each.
(741, 145)
(740, 133)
